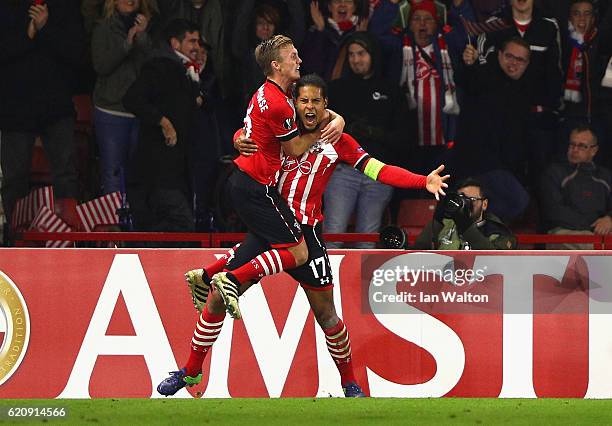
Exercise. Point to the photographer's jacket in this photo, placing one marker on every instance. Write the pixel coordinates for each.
(489, 234)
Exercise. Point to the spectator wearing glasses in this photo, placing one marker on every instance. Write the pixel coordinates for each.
(575, 194)
(461, 222)
(543, 74)
(586, 48)
(491, 133)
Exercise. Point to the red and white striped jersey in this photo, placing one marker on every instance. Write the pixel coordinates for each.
(428, 88)
(303, 180)
(270, 120)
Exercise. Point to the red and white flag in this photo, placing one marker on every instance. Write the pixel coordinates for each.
(28, 207)
(101, 211)
(47, 221)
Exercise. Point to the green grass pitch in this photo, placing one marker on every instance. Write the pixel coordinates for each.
(324, 411)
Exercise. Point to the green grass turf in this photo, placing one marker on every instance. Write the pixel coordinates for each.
(326, 411)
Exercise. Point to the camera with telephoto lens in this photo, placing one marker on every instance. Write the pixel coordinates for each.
(455, 203)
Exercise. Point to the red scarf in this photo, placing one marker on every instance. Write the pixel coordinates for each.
(197, 67)
(575, 68)
(431, 90)
(522, 28)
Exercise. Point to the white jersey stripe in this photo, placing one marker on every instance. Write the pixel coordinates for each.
(433, 119)
(311, 176)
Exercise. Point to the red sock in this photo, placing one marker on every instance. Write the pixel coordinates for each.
(339, 347)
(268, 263)
(206, 332)
(218, 266)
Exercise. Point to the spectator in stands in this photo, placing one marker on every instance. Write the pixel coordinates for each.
(543, 75)
(206, 143)
(208, 15)
(93, 11)
(427, 75)
(491, 134)
(321, 50)
(256, 24)
(575, 194)
(583, 71)
(390, 19)
(375, 114)
(165, 97)
(560, 9)
(213, 18)
(604, 84)
(462, 222)
(120, 45)
(41, 46)
(406, 8)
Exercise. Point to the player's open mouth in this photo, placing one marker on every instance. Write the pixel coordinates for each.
(310, 118)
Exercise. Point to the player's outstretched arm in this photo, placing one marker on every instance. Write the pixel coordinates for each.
(402, 178)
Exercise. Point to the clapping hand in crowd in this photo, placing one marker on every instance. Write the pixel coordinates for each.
(470, 54)
(39, 14)
(140, 25)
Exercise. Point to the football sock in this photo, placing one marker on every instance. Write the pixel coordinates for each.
(220, 263)
(268, 263)
(339, 347)
(205, 334)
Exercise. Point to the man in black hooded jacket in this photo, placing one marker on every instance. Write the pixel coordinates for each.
(375, 113)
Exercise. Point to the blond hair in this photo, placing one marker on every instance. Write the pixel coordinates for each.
(147, 7)
(269, 50)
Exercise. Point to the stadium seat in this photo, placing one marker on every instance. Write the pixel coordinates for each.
(84, 110)
(413, 215)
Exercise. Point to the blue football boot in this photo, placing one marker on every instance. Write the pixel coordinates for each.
(352, 390)
(177, 381)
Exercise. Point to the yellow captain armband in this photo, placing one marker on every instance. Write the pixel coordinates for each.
(372, 168)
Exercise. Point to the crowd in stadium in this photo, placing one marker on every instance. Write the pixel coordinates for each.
(515, 95)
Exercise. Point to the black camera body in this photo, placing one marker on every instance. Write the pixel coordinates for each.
(455, 203)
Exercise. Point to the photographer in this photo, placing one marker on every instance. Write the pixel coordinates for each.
(461, 222)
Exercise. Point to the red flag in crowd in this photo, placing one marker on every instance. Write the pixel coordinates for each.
(28, 207)
(101, 211)
(47, 221)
